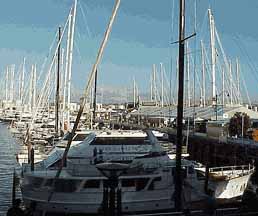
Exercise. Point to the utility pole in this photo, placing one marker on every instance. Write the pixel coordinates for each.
(58, 82)
(180, 106)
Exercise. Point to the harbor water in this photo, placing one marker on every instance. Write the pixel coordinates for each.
(8, 147)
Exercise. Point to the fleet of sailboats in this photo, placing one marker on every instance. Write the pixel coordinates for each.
(61, 160)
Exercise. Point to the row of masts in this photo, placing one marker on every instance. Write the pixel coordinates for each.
(34, 95)
(227, 92)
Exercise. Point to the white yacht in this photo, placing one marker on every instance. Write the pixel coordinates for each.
(147, 185)
(229, 182)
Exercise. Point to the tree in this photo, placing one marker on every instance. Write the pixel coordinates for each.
(238, 122)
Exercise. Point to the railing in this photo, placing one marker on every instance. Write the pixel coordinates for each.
(217, 212)
(246, 169)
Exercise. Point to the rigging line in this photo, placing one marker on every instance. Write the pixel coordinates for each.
(195, 47)
(85, 20)
(47, 56)
(49, 71)
(224, 57)
(246, 90)
(249, 60)
(165, 91)
(78, 50)
(202, 26)
(171, 54)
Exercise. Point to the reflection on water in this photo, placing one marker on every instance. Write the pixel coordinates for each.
(8, 148)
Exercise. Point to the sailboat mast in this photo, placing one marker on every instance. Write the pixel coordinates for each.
(180, 107)
(238, 81)
(6, 83)
(231, 83)
(58, 82)
(162, 85)
(22, 81)
(66, 70)
(223, 87)
(70, 61)
(203, 75)
(134, 93)
(188, 104)
(95, 98)
(34, 86)
(151, 83)
(12, 68)
(213, 56)
(31, 88)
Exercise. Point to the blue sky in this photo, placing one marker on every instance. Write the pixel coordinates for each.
(141, 35)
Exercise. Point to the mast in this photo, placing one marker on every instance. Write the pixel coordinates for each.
(231, 83)
(19, 86)
(180, 106)
(151, 83)
(22, 81)
(162, 85)
(223, 87)
(66, 70)
(12, 68)
(213, 56)
(95, 97)
(188, 76)
(31, 88)
(134, 92)
(203, 75)
(7, 84)
(238, 81)
(58, 82)
(154, 84)
(34, 87)
(70, 61)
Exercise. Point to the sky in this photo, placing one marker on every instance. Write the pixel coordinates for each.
(141, 36)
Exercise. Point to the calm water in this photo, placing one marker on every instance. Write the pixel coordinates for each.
(8, 147)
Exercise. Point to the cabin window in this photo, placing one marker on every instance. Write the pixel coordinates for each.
(65, 185)
(80, 137)
(152, 184)
(141, 183)
(128, 183)
(92, 183)
(120, 141)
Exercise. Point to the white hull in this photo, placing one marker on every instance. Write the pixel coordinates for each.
(232, 188)
(90, 203)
